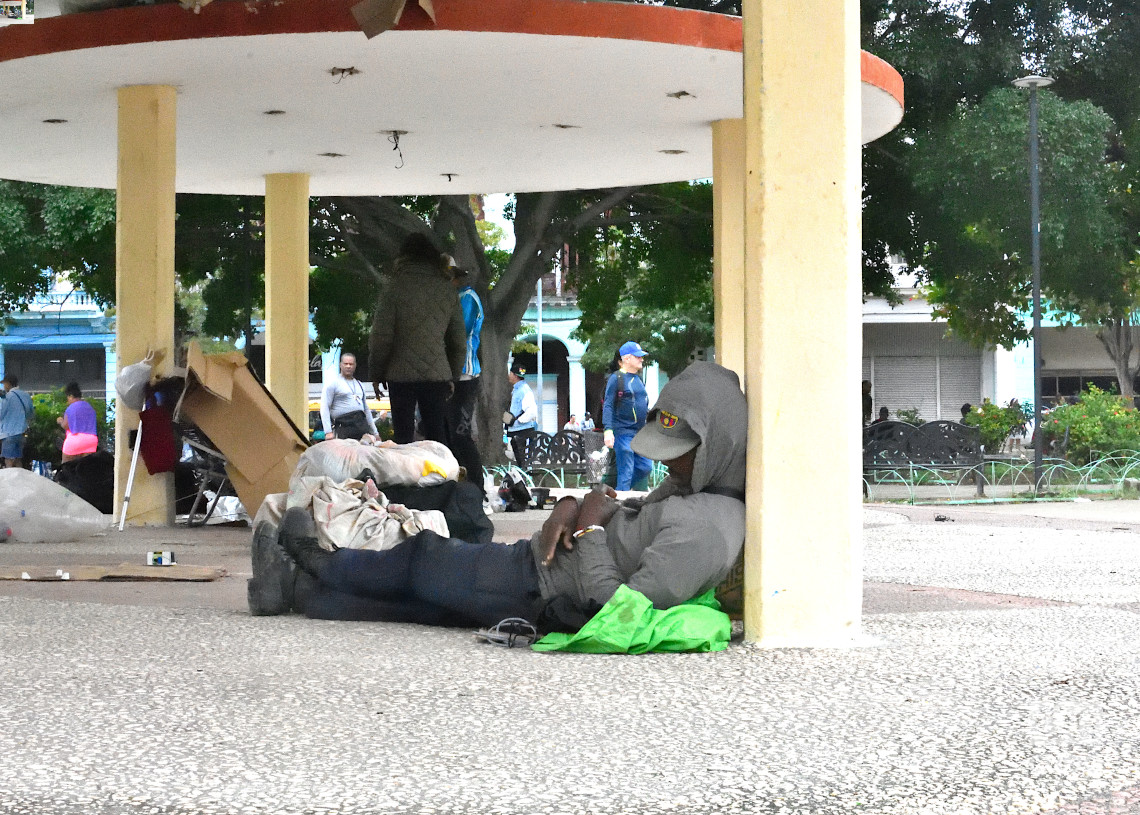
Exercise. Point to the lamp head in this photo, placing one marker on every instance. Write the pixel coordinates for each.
(1033, 81)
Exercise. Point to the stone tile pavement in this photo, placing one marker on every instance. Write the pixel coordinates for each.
(1000, 674)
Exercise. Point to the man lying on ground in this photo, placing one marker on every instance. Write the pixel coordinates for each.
(676, 543)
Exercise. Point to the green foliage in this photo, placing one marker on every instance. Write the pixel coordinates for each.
(1099, 422)
(997, 423)
(977, 255)
(910, 416)
(44, 441)
(952, 55)
(69, 229)
(648, 277)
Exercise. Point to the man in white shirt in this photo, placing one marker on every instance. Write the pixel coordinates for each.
(344, 407)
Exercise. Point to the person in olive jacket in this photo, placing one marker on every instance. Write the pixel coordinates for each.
(418, 341)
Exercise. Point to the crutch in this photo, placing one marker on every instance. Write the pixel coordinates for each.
(131, 477)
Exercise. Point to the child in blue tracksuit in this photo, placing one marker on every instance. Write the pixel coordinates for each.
(623, 414)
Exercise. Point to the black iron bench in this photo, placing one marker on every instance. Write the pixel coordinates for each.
(553, 458)
(904, 450)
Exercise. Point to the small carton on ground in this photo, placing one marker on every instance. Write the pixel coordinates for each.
(240, 416)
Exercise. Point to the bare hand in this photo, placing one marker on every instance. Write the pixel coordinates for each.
(608, 438)
(450, 390)
(598, 507)
(559, 528)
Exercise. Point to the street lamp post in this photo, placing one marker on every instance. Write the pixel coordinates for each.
(1033, 83)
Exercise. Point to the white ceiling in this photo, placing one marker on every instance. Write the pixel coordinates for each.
(484, 106)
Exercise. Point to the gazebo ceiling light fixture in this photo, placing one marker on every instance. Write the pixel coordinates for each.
(55, 121)
(274, 112)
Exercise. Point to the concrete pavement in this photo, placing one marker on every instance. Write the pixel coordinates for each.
(1000, 673)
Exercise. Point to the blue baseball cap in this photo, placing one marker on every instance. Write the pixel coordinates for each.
(632, 347)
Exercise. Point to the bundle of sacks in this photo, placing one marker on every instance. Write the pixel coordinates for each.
(341, 482)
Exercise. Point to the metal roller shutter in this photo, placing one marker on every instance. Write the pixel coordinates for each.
(960, 380)
(906, 382)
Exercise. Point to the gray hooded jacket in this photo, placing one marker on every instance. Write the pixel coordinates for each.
(679, 541)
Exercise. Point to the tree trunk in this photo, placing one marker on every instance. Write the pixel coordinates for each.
(1118, 336)
(540, 230)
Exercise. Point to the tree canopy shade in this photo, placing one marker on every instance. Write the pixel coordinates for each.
(646, 274)
(954, 55)
(70, 229)
(975, 178)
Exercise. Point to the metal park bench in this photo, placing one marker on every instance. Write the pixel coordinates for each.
(548, 458)
(925, 453)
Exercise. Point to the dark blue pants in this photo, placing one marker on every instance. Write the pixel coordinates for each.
(632, 469)
(431, 580)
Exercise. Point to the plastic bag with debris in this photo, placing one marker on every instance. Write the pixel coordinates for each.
(36, 509)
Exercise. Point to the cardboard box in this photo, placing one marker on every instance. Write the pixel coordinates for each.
(234, 409)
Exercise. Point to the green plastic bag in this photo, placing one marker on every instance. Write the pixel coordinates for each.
(629, 624)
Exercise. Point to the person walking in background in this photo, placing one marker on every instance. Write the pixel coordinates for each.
(521, 419)
(625, 407)
(868, 408)
(80, 423)
(573, 424)
(418, 342)
(461, 407)
(344, 408)
(16, 412)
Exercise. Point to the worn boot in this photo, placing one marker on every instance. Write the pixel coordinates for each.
(270, 591)
(298, 536)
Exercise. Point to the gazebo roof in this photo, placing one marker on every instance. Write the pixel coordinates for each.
(496, 95)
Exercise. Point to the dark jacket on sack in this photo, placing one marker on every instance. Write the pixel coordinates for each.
(417, 333)
(676, 543)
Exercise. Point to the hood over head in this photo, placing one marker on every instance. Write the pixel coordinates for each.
(706, 397)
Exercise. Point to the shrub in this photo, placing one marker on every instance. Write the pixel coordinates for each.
(996, 423)
(1099, 422)
(45, 436)
(910, 416)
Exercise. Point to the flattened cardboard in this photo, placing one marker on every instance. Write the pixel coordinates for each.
(233, 408)
(124, 571)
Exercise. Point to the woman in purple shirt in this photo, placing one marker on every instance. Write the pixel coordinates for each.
(80, 423)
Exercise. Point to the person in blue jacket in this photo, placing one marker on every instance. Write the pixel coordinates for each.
(623, 413)
(461, 407)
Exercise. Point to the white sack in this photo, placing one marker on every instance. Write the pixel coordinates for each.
(420, 464)
(349, 515)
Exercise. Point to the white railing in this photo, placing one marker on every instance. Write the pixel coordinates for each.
(77, 299)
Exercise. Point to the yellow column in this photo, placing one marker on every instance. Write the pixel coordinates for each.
(728, 243)
(144, 284)
(803, 556)
(287, 292)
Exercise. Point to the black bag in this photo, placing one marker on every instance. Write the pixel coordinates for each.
(514, 493)
(92, 478)
(461, 503)
(351, 425)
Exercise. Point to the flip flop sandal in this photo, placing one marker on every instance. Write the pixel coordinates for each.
(509, 632)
